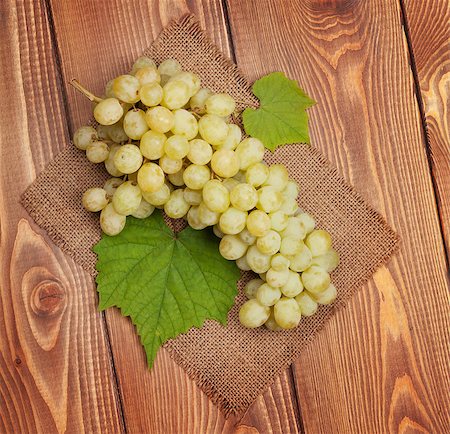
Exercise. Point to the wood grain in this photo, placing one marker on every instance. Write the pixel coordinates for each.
(163, 400)
(382, 365)
(55, 368)
(428, 29)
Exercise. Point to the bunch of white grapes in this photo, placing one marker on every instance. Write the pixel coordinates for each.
(168, 143)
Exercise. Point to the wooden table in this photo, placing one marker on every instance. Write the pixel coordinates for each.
(380, 72)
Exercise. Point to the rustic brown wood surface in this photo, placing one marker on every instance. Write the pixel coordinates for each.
(382, 365)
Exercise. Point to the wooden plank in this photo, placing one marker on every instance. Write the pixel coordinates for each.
(428, 32)
(381, 365)
(93, 50)
(55, 368)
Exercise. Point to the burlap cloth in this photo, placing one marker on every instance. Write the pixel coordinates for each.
(232, 365)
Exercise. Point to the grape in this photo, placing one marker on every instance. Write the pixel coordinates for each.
(277, 278)
(242, 264)
(233, 138)
(111, 222)
(207, 217)
(197, 102)
(176, 179)
(290, 246)
(109, 93)
(328, 261)
(240, 176)
(170, 166)
(269, 243)
(225, 163)
(243, 197)
(216, 196)
(252, 314)
(135, 124)
(160, 119)
(128, 158)
(293, 286)
(192, 197)
(294, 229)
(251, 287)
(193, 219)
(220, 104)
(247, 237)
(150, 177)
(258, 223)
(271, 324)
(126, 88)
(213, 129)
(158, 197)
(278, 177)
(257, 174)
(301, 260)
(190, 79)
(230, 183)
(291, 190)
(185, 124)
(289, 206)
(152, 145)
(84, 136)
(319, 242)
(278, 220)
(287, 313)
(259, 262)
(142, 62)
(279, 262)
(144, 210)
(176, 147)
(217, 232)
(308, 221)
(200, 152)
(250, 151)
(175, 95)
(116, 132)
(307, 305)
(127, 198)
(109, 162)
(232, 221)
(231, 247)
(111, 185)
(108, 112)
(315, 279)
(97, 152)
(267, 295)
(269, 199)
(176, 207)
(151, 94)
(103, 132)
(147, 75)
(169, 67)
(95, 199)
(195, 176)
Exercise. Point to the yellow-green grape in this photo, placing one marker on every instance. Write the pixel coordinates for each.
(128, 158)
(244, 197)
(176, 207)
(147, 75)
(291, 190)
(220, 104)
(111, 221)
(231, 247)
(269, 243)
(279, 262)
(259, 262)
(192, 80)
(144, 210)
(84, 136)
(109, 162)
(315, 279)
(116, 132)
(150, 177)
(232, 221)
(216, 196)
(151, 94)
(103, 132)
(159, 119)
(217, 232)
(95, 199)
(195, 176)
(278, 220)
(242, 264)
(158, 197)
(197, 102)
(319, 242)
(97, 152)
(213, 129)
(233, 138)
(290, 246)
(247, 237)
(289, 206)
(240, 176)
(287, 313)
(169, 67)
(200, 152)
(327, 296)
(126, 88)
(207, 217)
(111, 185)
(176, 179)
(251, 287)
(175, 95)
(328, 261)
(152, 145)
(252, 314)
(308, 221)
(258, 223)
(108, 112)
(142, 62)
(250, 151)
(267, 295)
(127, 198)
(277, 278)
(225, 163)
(308, 306)
(271, 324)
(294, 229)
(109, 93)
(301, 260)
(293, 286)
(169, 166)
(269, 199)
(185, 124)
(176, 147)
(230, 183)
(193, 219)
(192, 197)
(257, 174)
(278, 177)
(134, 124)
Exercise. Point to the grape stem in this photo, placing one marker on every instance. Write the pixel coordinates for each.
(84, 91)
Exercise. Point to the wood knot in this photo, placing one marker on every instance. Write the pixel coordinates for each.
(48, 298)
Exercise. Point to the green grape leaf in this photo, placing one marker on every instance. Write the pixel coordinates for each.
(165, 282)
(281, 117)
